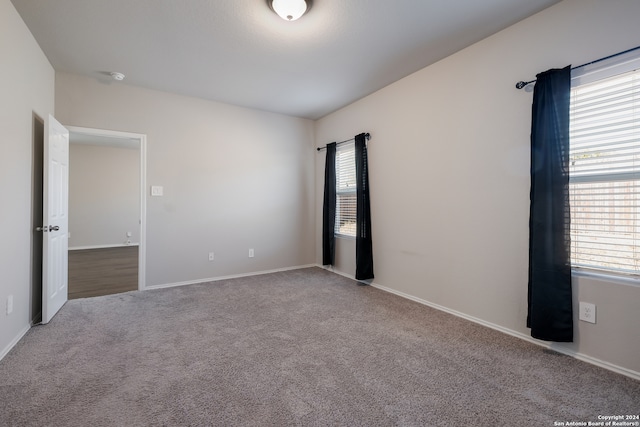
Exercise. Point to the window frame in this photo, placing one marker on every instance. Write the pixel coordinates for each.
(344, 147)
(591, 73)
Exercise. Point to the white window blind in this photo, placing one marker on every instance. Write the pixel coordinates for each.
(346, 190)
(605, 173)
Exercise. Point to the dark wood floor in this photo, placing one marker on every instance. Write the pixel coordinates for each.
(96, 272)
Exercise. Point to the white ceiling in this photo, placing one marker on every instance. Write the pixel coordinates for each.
(240, 52)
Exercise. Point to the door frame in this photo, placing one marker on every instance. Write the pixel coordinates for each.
(142, 140)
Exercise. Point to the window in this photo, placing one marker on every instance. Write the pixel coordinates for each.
(605, 166)
(346, 190)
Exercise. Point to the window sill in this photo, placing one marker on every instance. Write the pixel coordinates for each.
(608, 277)
(345, 237)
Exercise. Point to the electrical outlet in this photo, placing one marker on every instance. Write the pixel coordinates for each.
(587, 312)
(9, 304)
(157, 190)
(211, 255)
(251, 253)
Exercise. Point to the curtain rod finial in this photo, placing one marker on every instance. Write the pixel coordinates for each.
(522, 84)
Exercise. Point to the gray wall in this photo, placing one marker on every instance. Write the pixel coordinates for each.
(233, 178)
(449, 165)
(27, 88)
(104, 195)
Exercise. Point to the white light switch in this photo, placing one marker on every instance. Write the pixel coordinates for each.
(157, 190)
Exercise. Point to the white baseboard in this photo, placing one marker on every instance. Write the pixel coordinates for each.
(13, 342)
(233, 276)
(552, 346)
(81, 248)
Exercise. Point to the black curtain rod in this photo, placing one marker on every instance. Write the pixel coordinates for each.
(522, 84)
(366, 135)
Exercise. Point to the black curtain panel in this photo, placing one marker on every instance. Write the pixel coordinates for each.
(364, 251)
(329, 207)
(550, 314)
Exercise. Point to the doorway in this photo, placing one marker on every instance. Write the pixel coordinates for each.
(107, 212)
(37, 165)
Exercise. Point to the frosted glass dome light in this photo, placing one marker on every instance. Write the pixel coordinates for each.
(289, 10)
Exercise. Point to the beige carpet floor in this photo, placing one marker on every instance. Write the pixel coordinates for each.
(304, 347)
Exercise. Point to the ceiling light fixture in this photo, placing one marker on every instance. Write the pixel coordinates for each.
(290, 10)
(117, 76)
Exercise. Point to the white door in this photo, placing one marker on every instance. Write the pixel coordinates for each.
(56, 218)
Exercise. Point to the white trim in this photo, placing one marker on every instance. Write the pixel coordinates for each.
(553, 346)
(618, 279)
(233, 276)
(13, 342)
(142, 251)
(598, 70)
(81, 248)
(142, 139)
(344, 236)
(104, 132)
